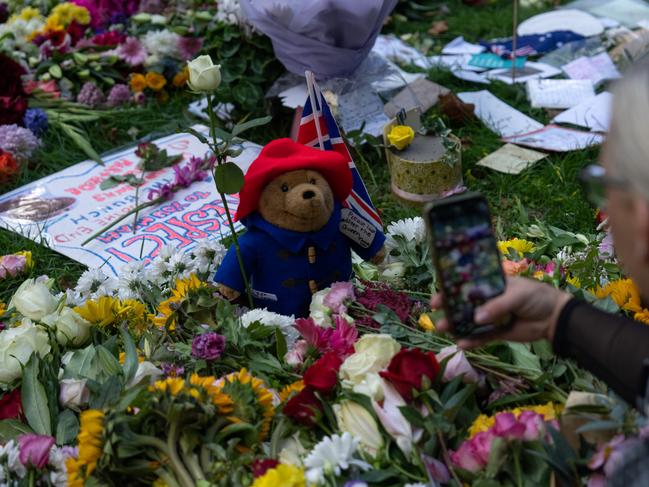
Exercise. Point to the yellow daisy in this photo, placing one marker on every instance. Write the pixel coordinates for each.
(167, 308)
(90, 440)
(521, 246)
(284, 475)
(103, 311)
(291, 389)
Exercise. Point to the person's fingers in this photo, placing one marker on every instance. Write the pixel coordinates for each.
(442, 325)
(436, 301)
(499, 306)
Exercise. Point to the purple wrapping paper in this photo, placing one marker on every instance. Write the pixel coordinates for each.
(329, 37)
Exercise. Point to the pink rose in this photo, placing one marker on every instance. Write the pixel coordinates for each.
(12, 265)
(340, 292)
(534, 425)
(466, 457)
(482, 446)
(508, 427)
(35, 449)
(457, 365)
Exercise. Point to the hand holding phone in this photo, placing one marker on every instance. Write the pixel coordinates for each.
(466, 259)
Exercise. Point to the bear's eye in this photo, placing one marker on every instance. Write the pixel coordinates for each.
(284, 188)
(312, 181)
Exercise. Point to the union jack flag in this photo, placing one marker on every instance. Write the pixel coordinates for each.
(326, 135)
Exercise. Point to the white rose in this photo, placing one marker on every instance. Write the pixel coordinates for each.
(17, 345)
(71, 328)
(318, 312)
(393, 271)
(73, 393)
(33, 300)
(204, 75)
(373, 354)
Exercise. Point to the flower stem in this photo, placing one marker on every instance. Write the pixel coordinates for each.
(219, 159)
(169, 479)
(177, 464)
(125, 215)
(447, 458)
(137, 200)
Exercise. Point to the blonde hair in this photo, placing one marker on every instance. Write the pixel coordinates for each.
(628, 139)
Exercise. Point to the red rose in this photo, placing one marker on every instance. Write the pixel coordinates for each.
(261, 465)
(304, 407)
(11, 406)
(8, 167)
(13, 101)
(408, 368)
(323, 374)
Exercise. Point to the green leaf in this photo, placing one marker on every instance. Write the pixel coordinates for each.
(55, 71)
(118, 179)
(34, 399)
(255, 122)
(376, 476)
(228, 178)
(453, 405)
(67, 428)
(598, 426)
(80, 138)
(523, 357)
(130, 361)
(413, 416)
(280, 344)
(82, 364)
(12, 428)
(109, 364)
(201, 137)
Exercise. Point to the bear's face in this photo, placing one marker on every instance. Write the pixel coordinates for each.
(300, 200)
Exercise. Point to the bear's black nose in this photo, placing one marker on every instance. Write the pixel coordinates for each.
(307, 195)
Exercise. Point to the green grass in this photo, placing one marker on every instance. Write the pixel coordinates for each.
(548, 191)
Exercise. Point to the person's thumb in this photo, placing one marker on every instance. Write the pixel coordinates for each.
(494, 309)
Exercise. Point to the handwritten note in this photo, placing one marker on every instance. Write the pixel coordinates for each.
(594, 113)
(556, 139)
(511, 159)
(360, 106)
(498, 115)
(597, 68)
(558, 93)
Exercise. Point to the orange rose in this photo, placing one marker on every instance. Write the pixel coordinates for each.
(155, 81)
(8, 167)
(512, 268)
(138, 83)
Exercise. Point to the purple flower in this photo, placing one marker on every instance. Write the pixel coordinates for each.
(35, 449)
(377, 293)
(436, 469)
(172, 370)
(18, 141)
(132, 52)
(4, 13)
(90, 95)
(606, 248)
(36, 120)
(208, 346)
(457, 365)
(335, 299)
(165, 192)
(119, 94)
(12, 265)
(186, 175)
(188, 47)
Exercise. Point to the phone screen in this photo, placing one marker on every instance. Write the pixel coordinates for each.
(466, 258)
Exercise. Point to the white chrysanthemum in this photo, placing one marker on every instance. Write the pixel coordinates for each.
(229, 12)
(410, 229)
(10, 454)
(171, 264)
(332, 455)
(418, 484)
(95, 283)
(132, 280)
(268, 318)
(161, 43)
(208, 255)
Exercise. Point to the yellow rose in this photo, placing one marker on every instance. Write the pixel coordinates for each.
(138, 83)
(155, 81)
(425, 323)
(401, 136)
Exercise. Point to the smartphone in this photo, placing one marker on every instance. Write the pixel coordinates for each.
(466, 259)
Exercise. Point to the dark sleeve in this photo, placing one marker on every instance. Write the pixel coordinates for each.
(612, 347)
(229, 272)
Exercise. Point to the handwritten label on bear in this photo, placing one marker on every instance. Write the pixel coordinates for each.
(356, 228)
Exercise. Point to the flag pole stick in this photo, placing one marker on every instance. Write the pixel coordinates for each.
(310, 81)
(514, 41)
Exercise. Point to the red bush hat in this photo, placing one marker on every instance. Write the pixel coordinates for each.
(284, 155)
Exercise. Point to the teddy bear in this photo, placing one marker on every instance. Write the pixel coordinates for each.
(299, 235)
